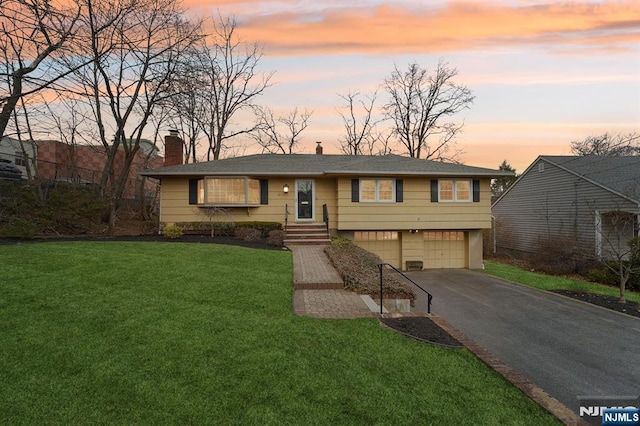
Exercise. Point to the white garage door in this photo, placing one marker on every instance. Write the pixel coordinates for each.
(383, 243)
(444, 249)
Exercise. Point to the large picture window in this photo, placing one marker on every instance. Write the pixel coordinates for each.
(454, 190)
(229, 191)
(377, 190)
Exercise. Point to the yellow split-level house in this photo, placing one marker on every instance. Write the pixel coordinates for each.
(427, 213)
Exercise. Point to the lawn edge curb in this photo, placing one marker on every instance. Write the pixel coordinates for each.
(539, 396)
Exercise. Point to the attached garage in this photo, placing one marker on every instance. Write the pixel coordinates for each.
(445, 249)
(385, 244)
(436, 249)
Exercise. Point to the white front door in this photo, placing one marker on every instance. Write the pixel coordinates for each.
(305, 197)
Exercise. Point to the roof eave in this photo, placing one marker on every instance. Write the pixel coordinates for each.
(151, 173)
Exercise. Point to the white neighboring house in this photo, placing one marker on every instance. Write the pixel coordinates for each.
(12, 149)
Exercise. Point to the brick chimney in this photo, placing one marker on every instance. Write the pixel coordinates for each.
(319, 148)
(173, 146)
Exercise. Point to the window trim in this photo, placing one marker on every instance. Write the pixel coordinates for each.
(202, 192)
(377, 192)
(358, 236)
(455, 191)
(21, 159)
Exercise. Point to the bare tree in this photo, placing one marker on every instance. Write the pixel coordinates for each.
(357, 115)
(420, 106)
(232, 83)
(21, 115)
(217, 216)
(66, 117)
(271, 138)
(608, 144)
(618, 245)
(135, 47)
(184, 111)
(31, 33)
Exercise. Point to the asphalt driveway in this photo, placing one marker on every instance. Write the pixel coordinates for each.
(567, 348)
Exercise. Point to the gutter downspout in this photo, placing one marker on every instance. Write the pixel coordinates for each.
(493, 227)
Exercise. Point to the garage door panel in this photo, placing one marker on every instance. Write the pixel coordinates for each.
(444, 249)
(384, 244)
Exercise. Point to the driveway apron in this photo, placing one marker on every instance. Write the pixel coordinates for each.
(567, 348)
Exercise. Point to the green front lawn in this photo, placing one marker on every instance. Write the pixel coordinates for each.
(172, 333)
(551, 282)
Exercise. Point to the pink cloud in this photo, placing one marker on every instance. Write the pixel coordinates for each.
(453, 26)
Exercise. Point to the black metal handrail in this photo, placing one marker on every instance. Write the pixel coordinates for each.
(325, 216)
(286, 215)
(381, 267)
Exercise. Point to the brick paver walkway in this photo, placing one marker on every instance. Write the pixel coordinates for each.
(330, 304)
(311, 266)
(318, 289)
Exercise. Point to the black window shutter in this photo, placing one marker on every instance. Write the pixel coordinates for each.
(434, 190)
(355, 190)
(264, 191)
(476, 190)
(399, 190)
(193, 191)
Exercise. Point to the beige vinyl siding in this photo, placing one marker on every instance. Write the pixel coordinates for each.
(326, 194)
(474, 247)
(412, 248)
(175, 207)
(415, 212)
(553, 205)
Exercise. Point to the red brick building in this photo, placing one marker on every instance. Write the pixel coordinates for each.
(57, 161)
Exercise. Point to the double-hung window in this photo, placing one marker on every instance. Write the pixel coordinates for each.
(377, 190)
(454, 190)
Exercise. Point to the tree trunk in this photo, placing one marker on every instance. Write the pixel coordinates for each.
(10, 104)
(623, 281)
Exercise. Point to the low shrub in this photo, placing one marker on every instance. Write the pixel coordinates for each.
(49, 208)
(248, 234)
(227, 228)
(605, 275)
(276, 238)
(559, 256)
(263, 227)
(173, 231)
(149, 226)
(359, 270)
(17, 227)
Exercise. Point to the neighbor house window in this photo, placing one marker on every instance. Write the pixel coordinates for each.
(377, 190)
(228, 191)
(21, 158)
(454, 190)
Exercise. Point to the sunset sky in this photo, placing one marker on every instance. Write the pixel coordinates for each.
(544, 73)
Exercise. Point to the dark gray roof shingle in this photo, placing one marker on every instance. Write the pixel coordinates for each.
(620, 174)
(319, 165)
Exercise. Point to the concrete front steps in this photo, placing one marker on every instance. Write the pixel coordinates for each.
(306, 234)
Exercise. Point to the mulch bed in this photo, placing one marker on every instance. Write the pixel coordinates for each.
(609, 302)
(423, 329)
